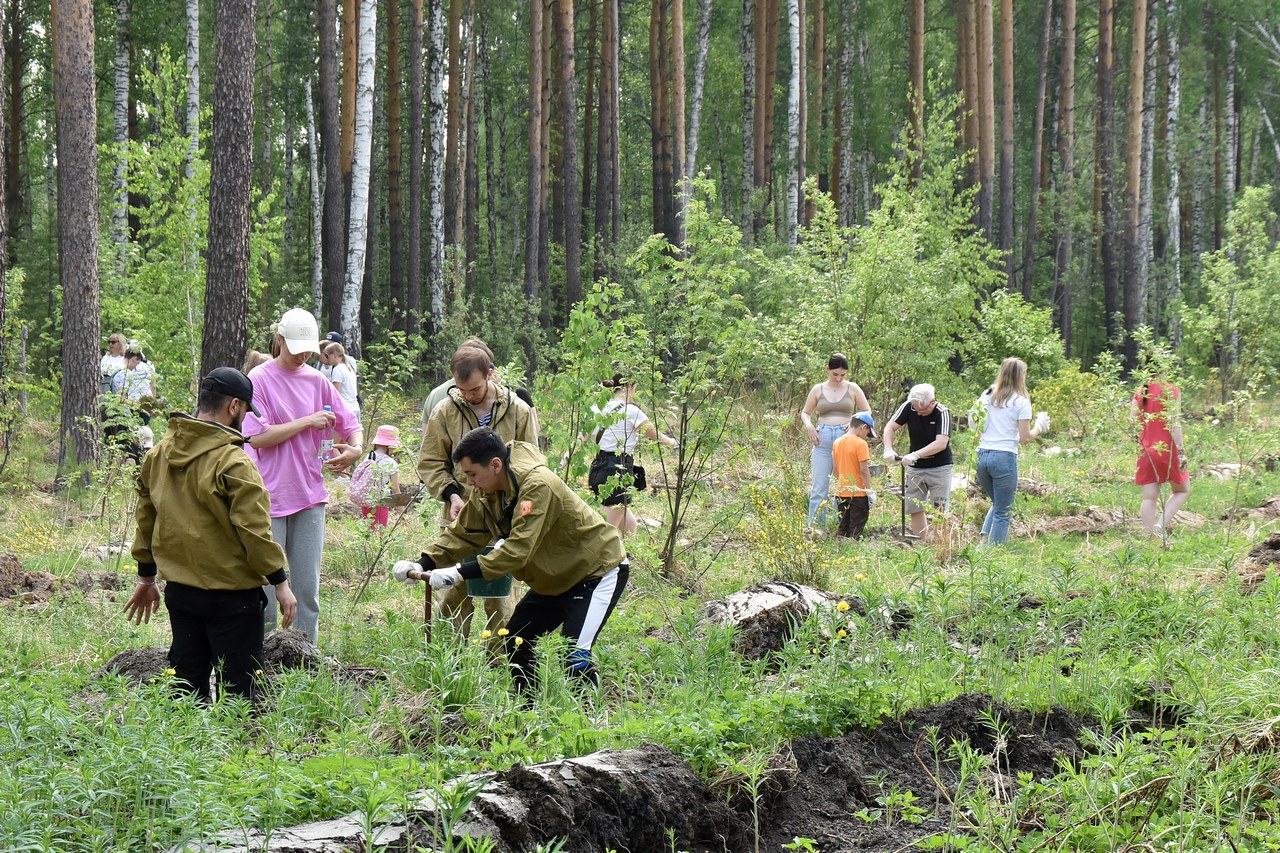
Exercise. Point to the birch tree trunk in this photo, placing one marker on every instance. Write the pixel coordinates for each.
(413, 281)
(1037, 143)
(1145, 238)
(75, 126)
(1134, 285)
(226, 306)
(120, 114)
(793, 126)
(335, 213)
(358, 230)
(699, 80)
(747, 47)
(471, 156)
(1173, 218)
(1061, 300)
(1006, 140)
(435, 165)
(317, 210)
(395, 204)
(1231, 180)
(533, 208)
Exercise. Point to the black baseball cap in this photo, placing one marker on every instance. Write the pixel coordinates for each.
(334, 336)
(231, 383)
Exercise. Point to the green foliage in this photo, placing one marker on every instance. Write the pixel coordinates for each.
(1007, 325)
(1236, 328)
(894, 293)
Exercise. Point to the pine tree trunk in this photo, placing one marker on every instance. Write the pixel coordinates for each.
(1104, 192)
(1061, 299)
(747, 47)
(533, 208)
(350, 69)
(679, 192)
(1145, 237)
(549, 27)
(120, 113)
(76, 122)
(915, 80)
(453, 132)
(395, 204)
(1037, 144)
(604, 200)
(435, 167)
(335, 212)
(983, 26)
(589, 103)
(655, 112)
(818, 106)
(792, 205)
(358, 230)
(569, 143)
(1006, 140)
(287, 190)
(417, 100)
(15, 63)
(1173, 246)
(490, 131)
(317, 210)
(772, 34)
(226, 307)
(967, 26)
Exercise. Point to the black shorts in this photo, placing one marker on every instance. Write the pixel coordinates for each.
(608, 464)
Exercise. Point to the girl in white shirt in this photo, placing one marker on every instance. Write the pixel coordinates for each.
(1003, 415)
(333, 357)
(618, 438)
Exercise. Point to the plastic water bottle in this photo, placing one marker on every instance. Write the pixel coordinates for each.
(326, 441)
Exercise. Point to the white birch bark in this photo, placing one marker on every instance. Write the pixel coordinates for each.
(435, 172)
(120, 112)
(317, 209)
(1173, 252)
(747, 48)
(193, 85)
(848, 203)
(1146, 195)
(1233, 132)
(793, 125)
(358, 229)
(699, 79)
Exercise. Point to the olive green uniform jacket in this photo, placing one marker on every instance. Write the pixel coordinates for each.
(552, 538)
(204, 517)
(450, 421)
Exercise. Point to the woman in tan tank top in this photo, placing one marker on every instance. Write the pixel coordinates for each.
(826, 414)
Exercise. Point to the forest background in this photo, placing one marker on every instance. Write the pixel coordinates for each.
(414, 172)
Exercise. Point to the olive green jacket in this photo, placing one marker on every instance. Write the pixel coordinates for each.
(552, 539)
(204, 517)
(450, 421)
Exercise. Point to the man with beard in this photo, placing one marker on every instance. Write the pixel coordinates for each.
(204, 525)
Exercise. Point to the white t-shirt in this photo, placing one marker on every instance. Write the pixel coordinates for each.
(137, 382)
(1000, 425)
(111, 365)
(622, 435)
(345, 375)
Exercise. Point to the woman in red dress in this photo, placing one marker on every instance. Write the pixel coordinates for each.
(1162, 458)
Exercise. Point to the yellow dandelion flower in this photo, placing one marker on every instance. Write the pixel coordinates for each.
(502, 632)
(486, 634)
(170, 671)
(841, 634)
(519, 640)
(813, 651)
(859, 577)
(842, 606)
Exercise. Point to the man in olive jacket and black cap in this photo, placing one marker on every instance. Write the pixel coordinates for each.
(546, 536)
(204, 524)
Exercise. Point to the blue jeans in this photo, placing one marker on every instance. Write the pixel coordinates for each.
(821, 466)
(998, 477)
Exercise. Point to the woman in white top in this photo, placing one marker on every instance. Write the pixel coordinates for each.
(618, 438)
(826, 415)
(333, 358)
(112, 363)
(1003, 416)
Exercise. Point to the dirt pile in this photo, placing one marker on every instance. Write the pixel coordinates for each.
(875, 789)
(1260, 560)
(1094, 519)
(282, 649)
(39, 587)
(765, 614)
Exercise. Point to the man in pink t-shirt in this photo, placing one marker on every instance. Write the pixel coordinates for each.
(286, 445)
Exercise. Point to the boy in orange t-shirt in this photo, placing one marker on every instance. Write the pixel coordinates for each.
(853, 475)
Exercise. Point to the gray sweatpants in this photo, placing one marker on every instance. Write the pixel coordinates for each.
(301, 535)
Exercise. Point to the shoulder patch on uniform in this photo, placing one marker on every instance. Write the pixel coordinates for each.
(526, 507)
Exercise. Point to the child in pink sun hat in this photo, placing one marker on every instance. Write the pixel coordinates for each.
(377, 477)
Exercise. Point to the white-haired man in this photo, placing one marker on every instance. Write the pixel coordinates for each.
(928, 476)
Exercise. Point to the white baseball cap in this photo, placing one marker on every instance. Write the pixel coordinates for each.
(300, 331)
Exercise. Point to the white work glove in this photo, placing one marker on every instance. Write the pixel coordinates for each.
(888, 452)
(400, 571)
(910, 459)
(871, 499)
(445, 578)
(1042, 422)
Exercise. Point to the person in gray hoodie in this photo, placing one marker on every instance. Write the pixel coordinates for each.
(204, 525)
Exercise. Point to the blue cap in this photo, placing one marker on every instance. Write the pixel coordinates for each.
(865, 417)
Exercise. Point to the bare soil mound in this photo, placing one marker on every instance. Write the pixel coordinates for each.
(836, 778)
(282, 649)
(765, 614)
(1260, 560)
(1094, 519)
(139, 665)
(18, 584)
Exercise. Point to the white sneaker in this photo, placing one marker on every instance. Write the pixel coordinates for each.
(1157, 529)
